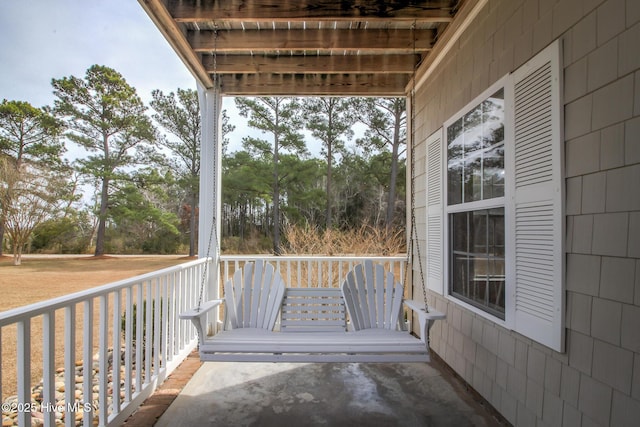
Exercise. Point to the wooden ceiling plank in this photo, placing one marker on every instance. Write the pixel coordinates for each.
(335, 64)
(318, 10)
(316, 85)
(327, 39)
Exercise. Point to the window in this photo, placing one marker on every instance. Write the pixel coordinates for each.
(494, 203)
(475, 205)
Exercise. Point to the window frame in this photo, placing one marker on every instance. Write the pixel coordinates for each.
(506, 84)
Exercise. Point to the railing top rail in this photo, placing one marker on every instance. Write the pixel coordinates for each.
(16, 314)
(250, 257)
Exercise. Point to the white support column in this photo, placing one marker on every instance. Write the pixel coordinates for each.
(210, 181)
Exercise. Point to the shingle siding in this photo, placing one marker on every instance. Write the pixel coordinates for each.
(597, 380)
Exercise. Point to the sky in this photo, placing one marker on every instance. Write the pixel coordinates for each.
(45, 39)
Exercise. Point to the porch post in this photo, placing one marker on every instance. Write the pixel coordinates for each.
(210, 182)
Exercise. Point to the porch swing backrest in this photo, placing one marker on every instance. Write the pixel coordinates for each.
(256, 297)
(373, 297)
(253, 296)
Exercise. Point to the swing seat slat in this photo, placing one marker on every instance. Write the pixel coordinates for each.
(314, 326)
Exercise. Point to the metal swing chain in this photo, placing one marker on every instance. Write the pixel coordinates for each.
(212, 234)
(413, 233)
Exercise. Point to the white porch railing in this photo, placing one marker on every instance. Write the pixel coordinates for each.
(119, 367)
(310, 270)
(108, 388)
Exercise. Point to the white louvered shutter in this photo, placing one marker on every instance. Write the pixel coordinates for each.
(538, 225)
(435, 244)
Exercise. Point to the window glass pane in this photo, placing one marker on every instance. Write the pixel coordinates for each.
(493, 172)
(476, 273)
(478, 234)
(460, 235)
(493, 133)
(455, 162)
(473, 140)
(496, 232)
(460, 272)
(473, 177)
(475, 153)
(493, 119)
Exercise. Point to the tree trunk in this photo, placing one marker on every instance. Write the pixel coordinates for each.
(17, 255)
(276, 206)
(1, 237)
(102, 218)
(391, 198)
(329, 166)
(391, 201)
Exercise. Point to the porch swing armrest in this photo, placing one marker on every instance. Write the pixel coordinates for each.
(205, 307)
(197, 316)
(425, 318)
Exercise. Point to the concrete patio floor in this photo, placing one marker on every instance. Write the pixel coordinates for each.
(331, 394)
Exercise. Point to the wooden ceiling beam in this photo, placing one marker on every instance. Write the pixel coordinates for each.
(314, 85)
(334, 64)
(447, 40)
(176, 38)
(301, 40)
(318, 10)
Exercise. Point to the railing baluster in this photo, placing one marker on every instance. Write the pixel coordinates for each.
(176, 307)
(188, 284)
(181, 296)
(128, 343)
(87, 362)
(185, 300)
(147, 333)
(24, 370)
(330, 279)
(225, 269)
(70, 364)
(117, 346)
(171, 319)
(165, 318)
(288, 271)
(0, 363)
(103, 359)
(139, 334)
(156, 327)
(48, 368)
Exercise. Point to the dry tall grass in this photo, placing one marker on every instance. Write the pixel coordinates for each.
(365, 240)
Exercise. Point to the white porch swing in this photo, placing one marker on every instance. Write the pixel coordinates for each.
(362, 321)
